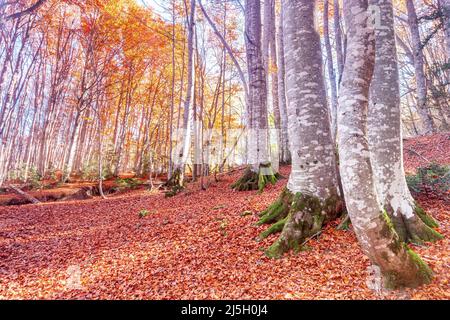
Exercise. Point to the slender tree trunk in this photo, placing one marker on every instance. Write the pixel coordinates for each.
(338, 38)
(275, 87)
(183, 152)
(311, 197)
(421, 81)
(100, 155)
(398, 265)
(285, 155)
(331, 73)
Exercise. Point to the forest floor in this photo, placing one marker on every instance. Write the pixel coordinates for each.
(197, 245)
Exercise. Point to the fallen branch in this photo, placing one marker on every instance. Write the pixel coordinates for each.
(418, 154)
(25, 195)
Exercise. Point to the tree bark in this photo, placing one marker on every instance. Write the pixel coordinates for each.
(312, 197)
(338, 38)
(398, 265)
(331, 72)
(285, 152)
(183, 151)
(260, 171)
(385, 136)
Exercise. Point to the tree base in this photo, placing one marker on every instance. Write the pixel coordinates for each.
(175, 184)
(298, 217)
(418, 229)
(416, 273)
(256, 180)
(407, 269)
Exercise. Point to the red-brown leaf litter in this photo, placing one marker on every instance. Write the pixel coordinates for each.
(197, 245)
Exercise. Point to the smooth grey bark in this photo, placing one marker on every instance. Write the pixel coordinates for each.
(312, 195)
(398, 265)
(385, 135)
(272, 71)
(421, 81)
(330, 67)
(285, 152)
(338, 38)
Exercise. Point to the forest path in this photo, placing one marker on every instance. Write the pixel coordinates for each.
(193, 246)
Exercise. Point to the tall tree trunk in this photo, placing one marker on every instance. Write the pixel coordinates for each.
(421, 81)
(285, 155)
(331, 73)
(311, 197)
(260, 171)
(183, 151)
(385, 137)
(338, 38)
(275, 87)
(398, 265)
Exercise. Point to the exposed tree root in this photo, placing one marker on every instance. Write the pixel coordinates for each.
(278, 210)
(298, 216)
(418, 229)
(251, 180)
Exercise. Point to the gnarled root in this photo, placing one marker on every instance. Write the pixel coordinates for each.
(252, 180)
(299, 217)
(417, 229)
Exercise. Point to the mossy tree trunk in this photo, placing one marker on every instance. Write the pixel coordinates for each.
(311, 197)
(385, 137)
(399, 266)
(258, 180)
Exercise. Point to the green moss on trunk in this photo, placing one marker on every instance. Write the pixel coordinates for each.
(417, 229)
(418, 273)
(427, 219)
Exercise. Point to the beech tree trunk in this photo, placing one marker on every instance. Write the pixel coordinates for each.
(311, 197)
(285, 152)
(338, 38)
(260, 171)
(398, 265)
(330, 67)
(421, 81)
(182, 155)
(385, 136)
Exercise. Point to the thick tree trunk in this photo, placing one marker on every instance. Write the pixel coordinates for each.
(312, 197)
(260, 171)
(421, 81)
(399, 266)
(385, 136)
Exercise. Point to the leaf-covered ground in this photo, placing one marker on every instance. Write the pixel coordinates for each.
(194, 246)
